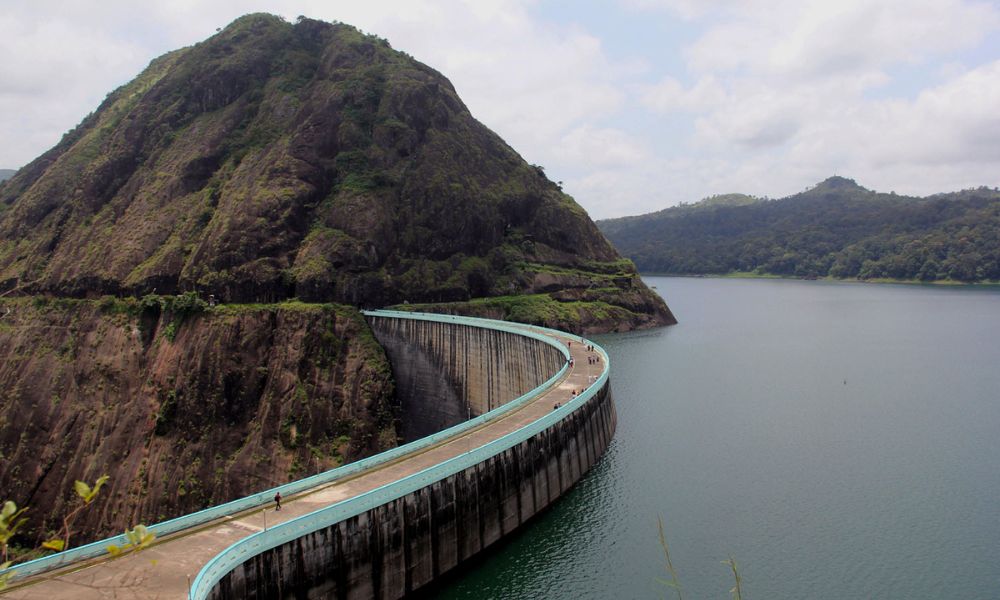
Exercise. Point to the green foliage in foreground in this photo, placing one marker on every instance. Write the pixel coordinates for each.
(12, 519)
(837, 229)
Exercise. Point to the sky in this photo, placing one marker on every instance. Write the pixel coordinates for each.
(634, 105)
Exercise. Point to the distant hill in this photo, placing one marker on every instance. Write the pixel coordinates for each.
(6, 174)
(835, 229)
(726, 200)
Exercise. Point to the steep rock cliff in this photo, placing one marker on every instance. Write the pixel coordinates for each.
(182, 413)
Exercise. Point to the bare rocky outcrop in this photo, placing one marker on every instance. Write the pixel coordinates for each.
(181, 414)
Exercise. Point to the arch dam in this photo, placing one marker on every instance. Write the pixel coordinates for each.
(524, 414)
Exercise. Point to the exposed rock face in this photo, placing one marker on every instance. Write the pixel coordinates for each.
(308, 160)
(241, 399)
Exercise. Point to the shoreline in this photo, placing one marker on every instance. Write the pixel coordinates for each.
(880, 280)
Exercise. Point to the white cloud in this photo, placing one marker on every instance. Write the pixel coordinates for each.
(945, 137)
(669, 95)
(651, 185)
(531, 82)
(45, 89)
(590, 147)
(775, 94)
(942, 140)
(781, 94)
(686, 9)
(818, 38)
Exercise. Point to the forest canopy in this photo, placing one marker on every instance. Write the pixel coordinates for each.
(835, 229)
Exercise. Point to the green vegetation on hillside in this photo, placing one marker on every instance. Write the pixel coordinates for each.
(836, 229)
(598, 296)
(539, 309)
(281, 160)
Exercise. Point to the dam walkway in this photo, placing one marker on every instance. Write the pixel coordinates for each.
(169, 569)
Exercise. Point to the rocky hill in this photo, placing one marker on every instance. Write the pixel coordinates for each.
(835, 229)
(304, 160)
(295, 172)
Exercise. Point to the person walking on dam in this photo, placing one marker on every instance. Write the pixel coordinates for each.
(277, 501)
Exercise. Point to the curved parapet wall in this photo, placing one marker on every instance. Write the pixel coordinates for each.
(449, 372)
(400, 537)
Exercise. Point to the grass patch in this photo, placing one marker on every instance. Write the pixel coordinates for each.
(533, 309)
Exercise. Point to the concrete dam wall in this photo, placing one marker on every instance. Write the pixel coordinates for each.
(447, 373)
(419, 528)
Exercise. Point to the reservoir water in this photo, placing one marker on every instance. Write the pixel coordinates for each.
(840, 441)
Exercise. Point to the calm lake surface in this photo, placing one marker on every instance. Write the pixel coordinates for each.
(839, 440)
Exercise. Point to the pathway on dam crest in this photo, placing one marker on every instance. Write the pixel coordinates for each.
(166, 570)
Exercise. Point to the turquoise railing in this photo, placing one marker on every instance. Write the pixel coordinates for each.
(262, 541)
(99, 548)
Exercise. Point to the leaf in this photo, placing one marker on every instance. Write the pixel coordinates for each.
(138, 538)
(6, 577)
(134, 537)
(97, 487)
(87, 493)
(10, 521)
(114, 550)
(82, 489)
(92, 493)
(143, 536)
(54, 544)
